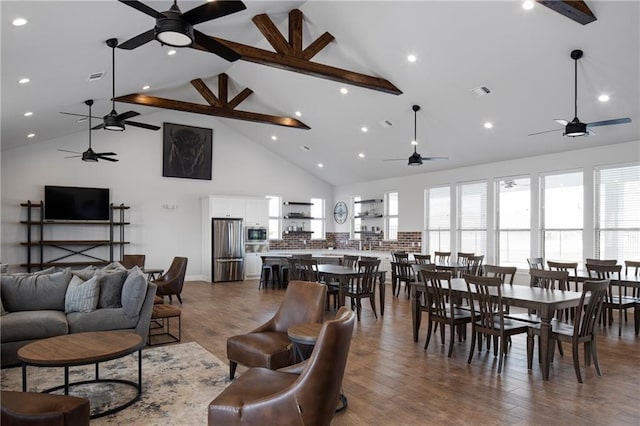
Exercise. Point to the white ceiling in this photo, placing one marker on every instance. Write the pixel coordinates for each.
(522, 56)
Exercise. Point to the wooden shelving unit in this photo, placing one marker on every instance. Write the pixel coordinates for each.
(36, 225)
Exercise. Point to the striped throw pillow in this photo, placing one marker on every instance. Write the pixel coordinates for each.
(82, 296)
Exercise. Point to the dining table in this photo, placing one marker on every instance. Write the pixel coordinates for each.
(344, 274)
(545, 302)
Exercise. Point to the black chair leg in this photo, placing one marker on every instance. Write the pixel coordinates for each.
(179, 298)
(232, 369)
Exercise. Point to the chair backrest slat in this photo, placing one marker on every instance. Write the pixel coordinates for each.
(505, 273)
(550, 280)
(587, 315)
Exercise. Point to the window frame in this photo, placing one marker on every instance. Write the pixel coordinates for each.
(440, 231)
(459, 207)
(277, 218)
(388, 217)
(521, 263)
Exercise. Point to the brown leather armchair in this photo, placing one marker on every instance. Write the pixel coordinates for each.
(43, 409)
(171, 282)
(269, 345)
(131, 260)
(305, 394)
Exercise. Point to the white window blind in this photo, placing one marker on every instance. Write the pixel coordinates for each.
(274, 217)
(563, 213)
(618, 213)
(318, 221)
(472, 217)
(356, 208)
(513, 221)
(392, 216)
(439, 219)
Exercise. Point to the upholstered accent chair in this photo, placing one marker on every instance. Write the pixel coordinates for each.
(131, 260)
(269, 346)
(303, 394)
(43, 409)
(171, 282)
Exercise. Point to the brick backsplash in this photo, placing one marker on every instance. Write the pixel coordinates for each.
(407, 241)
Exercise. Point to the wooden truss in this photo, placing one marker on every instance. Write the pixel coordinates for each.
(219, 106)
(290, 55)
(576, 10)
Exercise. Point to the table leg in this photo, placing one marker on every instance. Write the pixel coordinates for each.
(342, 292)
(24, 377)
(66, 380)
(546, 346)
(139, 371)
(382, 290)
(415, 312)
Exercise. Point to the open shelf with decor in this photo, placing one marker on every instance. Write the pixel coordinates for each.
(374, 208)
(67, 248)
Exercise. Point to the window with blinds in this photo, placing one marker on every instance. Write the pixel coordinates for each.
(274, 217)
(318, 221)
(617, 223)
(513, 221)
(439, 219)
(562, 217)
(391, 220)
(472, 217)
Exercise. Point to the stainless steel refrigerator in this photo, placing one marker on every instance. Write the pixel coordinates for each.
(227, 241)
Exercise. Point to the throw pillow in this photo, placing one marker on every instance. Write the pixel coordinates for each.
(111, 282)
(85, 273)
(114, 265)
(134, 292)
(82, 296)
(34, 292)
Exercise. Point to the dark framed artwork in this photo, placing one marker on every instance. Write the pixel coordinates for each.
(186, 151)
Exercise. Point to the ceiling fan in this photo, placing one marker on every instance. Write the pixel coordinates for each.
(90, 155)
(113, 120)
(175, 28)
(575, 127)
(416, 159)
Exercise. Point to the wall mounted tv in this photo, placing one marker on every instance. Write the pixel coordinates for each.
(75, 203)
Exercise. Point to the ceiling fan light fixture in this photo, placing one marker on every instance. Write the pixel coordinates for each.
(174, 32)
(575, 129)
(112, 123)
(415, 160)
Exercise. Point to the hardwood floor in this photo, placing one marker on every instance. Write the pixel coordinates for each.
(390, 380)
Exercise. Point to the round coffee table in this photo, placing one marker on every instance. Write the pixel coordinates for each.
(81, 349)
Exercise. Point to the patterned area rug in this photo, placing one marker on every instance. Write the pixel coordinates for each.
(178, 383)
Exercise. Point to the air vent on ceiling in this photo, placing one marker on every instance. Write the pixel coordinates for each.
(481, 91)
(96, 76)
(386, 123)
(305, 148)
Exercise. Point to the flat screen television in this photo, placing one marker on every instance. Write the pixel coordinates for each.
(75, 203)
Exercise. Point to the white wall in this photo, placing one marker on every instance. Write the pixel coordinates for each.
(411, 189)
(240, 167)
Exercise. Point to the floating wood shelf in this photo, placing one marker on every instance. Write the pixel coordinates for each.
(369, 216)
(373, 200)
(297, 203)
(297, 217)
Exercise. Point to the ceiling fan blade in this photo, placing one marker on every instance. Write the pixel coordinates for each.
(546, 131)
(434, 158)
(78, 115)
(99, 126)
(66, 150)
(142, 125)
(105, 153)
(609, 122)
(212, 10)
(142, 8)
(107, 158)
(127, 115)
(138, 40)
(74, 156)
(561, 121)
(206, 43)
(395, 159)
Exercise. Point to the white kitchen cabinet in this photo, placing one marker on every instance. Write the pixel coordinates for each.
(252, 265)
(227, 207)
(256, 212)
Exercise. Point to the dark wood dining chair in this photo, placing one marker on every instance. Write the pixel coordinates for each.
(442, 309)
(422, 259)
(582, 330)
(488, 315)
(609, 262)
(400, 256)
(535, 262)
(632, 268)
(401, 272)
(505, 273)
(620, 300)
(309, 268)
(363, 286)
(350, 261)
(474, 264)
(441, 256)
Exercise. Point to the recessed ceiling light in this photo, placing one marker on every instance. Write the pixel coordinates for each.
(414, 142)
(28, 114)
(146, 87)
(320, 165)
(603, 98)
(171, 52)
(274, 138)
(411, 58)
(24, 80)
(344, 90)
(18, 22)
(364, 129)
(527, 5)
(298, 114)
(488, 125)
(31, 135)
(361, 155)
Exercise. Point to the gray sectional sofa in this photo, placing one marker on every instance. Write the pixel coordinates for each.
(55, 302)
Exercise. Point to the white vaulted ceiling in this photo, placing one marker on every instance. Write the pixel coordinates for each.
(521, 56)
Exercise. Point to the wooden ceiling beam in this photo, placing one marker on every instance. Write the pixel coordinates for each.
(291, 56)
(575, 10)
(246, 92)
(223, 88)
(175, 105)
(206, 93)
